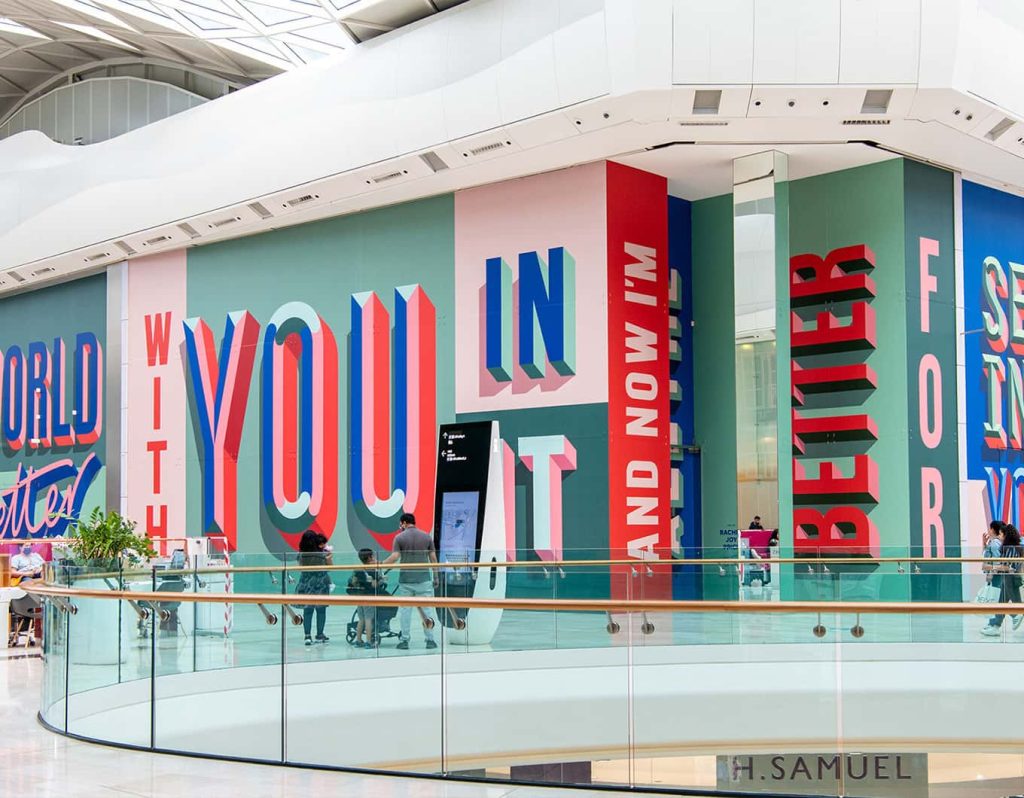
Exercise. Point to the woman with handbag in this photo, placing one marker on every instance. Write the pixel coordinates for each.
(313, 551)
(992, 542)
(1008, 568)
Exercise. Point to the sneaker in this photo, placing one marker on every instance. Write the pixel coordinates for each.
(309, 640)
(990, 631)
(1016, 621)
(431, 644)
(359, 644)
(403, 645)
(322, 639)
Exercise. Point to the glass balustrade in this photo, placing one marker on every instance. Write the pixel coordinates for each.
(873, 687)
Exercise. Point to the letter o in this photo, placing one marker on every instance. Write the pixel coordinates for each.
(642, 387)
(929, 375)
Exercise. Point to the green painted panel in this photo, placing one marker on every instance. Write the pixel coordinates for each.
(714, 389)
(61, 311)
(584, 496)
(931, 355)
(783, 383)
(323, 264)
(865, 206)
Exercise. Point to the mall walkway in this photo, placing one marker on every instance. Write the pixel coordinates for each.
(38, 764)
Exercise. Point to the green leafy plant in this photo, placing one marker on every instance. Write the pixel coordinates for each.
(108, 537)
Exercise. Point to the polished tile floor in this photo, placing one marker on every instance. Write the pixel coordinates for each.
(39, 764)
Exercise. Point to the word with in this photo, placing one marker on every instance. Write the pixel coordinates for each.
(158, 336)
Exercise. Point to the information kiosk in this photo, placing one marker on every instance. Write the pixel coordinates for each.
(469, 526)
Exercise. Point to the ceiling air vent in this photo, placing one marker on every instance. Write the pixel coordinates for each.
(95, 256)
(866, 121)
(876, 101)
(152, 242)
(295, 202)
(188, 230)
(224, 222)
(124, 247)
(434, 161)
(706, 102)
(483, 149)
(16, 277)
(703, 124)
(260, 210)
(999, 128)
(385, 178)
(42, 271)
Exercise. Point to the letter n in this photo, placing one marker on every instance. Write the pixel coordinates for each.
(547, 312)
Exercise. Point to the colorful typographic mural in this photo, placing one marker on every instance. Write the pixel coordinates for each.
(993, 349)
(874, 441)
(571, 310)
(52, 405)
(931, 406)
(296, 379)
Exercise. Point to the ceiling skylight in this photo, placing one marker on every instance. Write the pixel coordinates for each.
(239, 40)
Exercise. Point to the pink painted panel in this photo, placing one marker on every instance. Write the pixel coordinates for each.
(539, 213)
(156, 400)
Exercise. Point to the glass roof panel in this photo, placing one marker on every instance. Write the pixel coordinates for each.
(238, 40)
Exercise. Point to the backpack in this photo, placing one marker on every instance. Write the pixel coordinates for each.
(360, 584)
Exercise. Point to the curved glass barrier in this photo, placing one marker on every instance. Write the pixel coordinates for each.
(746, 694)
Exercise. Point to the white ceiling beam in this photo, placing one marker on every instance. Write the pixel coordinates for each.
(362, 23)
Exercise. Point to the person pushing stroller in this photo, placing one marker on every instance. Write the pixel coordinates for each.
(367, 582)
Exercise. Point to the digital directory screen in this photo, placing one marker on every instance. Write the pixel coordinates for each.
(463, 461)
(459, 515)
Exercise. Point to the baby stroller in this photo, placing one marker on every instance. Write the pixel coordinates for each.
(381, 624)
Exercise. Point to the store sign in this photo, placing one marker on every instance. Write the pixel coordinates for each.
(863, 775)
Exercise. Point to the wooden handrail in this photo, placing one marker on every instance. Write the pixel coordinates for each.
(568, 605)
(542, 564)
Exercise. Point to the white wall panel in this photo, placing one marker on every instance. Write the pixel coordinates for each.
(526, 75)
(639, 44)
(944, 24)
(996, 68)
(714, 41)
(881, 41)
(473, 53)
(581, 62)
(65, 112)
(796, 41)
(419, 80)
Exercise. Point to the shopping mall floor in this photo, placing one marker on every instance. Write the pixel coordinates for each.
(39, 764)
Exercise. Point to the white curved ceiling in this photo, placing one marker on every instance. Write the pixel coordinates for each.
(244, 40)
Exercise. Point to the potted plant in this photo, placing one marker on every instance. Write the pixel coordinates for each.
(101, 547)
(107, 540)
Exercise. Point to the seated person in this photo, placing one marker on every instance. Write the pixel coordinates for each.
(27, 565)
(756, 523)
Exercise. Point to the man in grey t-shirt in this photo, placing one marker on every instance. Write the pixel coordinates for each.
(414, 546)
